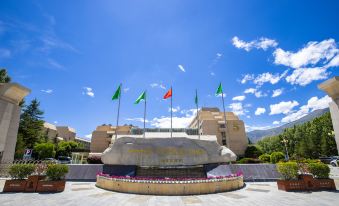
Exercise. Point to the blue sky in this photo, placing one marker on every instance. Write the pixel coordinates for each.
(269, 56)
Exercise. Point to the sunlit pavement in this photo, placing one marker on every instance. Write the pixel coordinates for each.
(86, 193)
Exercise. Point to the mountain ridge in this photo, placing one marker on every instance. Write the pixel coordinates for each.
(256, 135)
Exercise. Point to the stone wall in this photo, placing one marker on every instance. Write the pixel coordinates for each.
(251, 172)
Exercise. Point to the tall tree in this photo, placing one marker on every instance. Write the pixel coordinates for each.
(4, 78)
(31, 124)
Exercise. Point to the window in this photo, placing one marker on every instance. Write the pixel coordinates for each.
(222, 125)
(223, 142)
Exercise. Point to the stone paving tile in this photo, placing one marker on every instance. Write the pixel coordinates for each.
(253, 194)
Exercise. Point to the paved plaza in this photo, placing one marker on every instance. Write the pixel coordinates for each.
(86, 193)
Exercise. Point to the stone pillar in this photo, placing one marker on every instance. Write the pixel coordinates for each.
(11, 95)
(331, 87)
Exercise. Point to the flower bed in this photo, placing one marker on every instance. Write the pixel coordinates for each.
(169, 186)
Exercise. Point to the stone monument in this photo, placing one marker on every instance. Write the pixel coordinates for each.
(157, 152)
(331, 87)
(11, 94)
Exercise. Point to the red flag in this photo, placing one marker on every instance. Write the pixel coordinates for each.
(168, 94)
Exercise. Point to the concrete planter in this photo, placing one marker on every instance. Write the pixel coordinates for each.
(306, 183)
(32, 182)
(51, 186)
(15, 186)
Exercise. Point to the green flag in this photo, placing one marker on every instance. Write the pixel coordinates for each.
(141, 97)
(219, 90)
(117, 93)
(196, 97)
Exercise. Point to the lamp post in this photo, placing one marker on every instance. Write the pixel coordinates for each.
(285, 141)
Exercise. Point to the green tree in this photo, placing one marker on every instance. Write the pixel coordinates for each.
(253, 151)
(31, 125)
(4, 78)
(309, 140)
(44, 150)
(65, 148)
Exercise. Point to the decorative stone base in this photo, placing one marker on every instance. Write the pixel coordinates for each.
(159, 187)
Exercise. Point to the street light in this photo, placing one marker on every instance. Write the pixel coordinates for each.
(285, 141)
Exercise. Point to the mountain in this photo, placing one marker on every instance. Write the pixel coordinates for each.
(256, 135)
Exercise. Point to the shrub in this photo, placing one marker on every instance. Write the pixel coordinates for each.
(94, 160)
(56, 171)
(65, 148)
(319, 170)
(21, 171)
(288, 170)
(45, 150)
(253, 151)
(276, 157)
(265, 157)
(249, 161)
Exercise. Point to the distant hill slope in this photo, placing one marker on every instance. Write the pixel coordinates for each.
(256, 135)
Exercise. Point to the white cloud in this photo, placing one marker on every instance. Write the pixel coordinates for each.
(304, 76)
(55, 122)
(314, 103)
(313, 53)
(219, 55)
(239, 98)
(181, 68)
(277, 92)
(334, 62)
(262, 43)
(249, 128)
(137, 119)
(126, 89)
(259, 94)
(310, 62)
(53, 63)
(223, 94)
(246, 78)
(250, 91)
(5, 53)
(276, 122)
(156, 85)
(47, 91)
(89, 136)
(178, 122)
(268, 77)
(259, 111)
(237, 108)
(283, 107)
(174, 109)
(212, 74)
(88, 91)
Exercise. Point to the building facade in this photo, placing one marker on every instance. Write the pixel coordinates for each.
(331, 87)
(11, 94)
(59, 133)
(103, 136)
(84, 142)
(212, 122)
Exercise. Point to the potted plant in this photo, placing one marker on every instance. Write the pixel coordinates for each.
(18, 173)
(39, 174)
(289, 173)
(313, 176)
(55, 181)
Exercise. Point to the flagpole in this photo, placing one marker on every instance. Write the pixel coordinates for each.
(171, 109)
(196, 94)
(116, 129)
(223, 105)
(145, 115)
